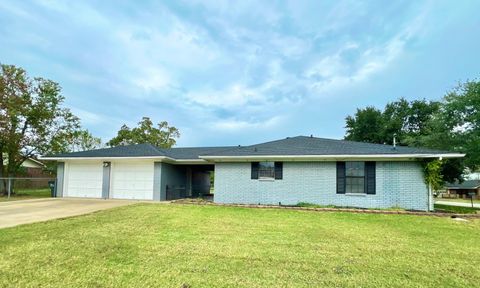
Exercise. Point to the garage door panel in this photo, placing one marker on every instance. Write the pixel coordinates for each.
(84, 180)
(132, 180)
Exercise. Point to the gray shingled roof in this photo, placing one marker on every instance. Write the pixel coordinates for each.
(468, 184)
(145, 150)
(303, 145)
(300, 145)
(137, 150)
(193, 152)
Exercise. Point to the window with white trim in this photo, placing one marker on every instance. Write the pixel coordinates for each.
(355, 177)
(266, 170)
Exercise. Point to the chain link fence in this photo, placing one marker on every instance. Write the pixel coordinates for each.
(27, 187)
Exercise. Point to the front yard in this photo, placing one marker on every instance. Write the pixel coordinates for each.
(167, 245)
(468, 201)
(24, 194)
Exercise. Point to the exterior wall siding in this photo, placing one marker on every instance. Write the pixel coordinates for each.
(398, 184)
(171, 175)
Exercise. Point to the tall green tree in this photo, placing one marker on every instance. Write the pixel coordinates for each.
(406, 120)
(419, 123)
(365, 126)
(161, 135)
(32, 118)
(395, 119)
(461, 115)
(82, 140)
(457, 125)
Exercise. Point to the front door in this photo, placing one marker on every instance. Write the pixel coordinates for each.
(200, 183)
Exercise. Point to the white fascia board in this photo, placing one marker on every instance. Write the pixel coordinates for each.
(156, 158)
(190, 161)
(394, 157)
(185, 161)
(36, 161)
(107, 158)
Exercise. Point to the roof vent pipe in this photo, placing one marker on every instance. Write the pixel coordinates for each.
(394, 141)
(311, 135)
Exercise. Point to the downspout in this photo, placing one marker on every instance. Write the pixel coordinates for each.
(430, 191)
(428, 196)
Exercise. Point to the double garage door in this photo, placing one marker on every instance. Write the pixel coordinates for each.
(128, 180)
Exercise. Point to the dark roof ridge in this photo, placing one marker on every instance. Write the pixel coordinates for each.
(361, 142)
(197, 147)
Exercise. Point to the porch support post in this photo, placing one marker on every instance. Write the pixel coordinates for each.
(60, 179)
(107, 166)
(157, 181)
(189, 181)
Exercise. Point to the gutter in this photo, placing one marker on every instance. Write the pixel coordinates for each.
(332, 157)
(165, 159)
(203, 159)
(106, 158)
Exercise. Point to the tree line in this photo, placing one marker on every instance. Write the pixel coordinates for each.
(451, 124)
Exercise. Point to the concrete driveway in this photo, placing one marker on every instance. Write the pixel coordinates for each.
(29, 211)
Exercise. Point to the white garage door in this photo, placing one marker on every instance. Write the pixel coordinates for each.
(132, 180)
(84, 180)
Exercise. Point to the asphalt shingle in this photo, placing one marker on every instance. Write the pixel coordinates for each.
(300, 145)
(137, 150)
(468, 184)
(304, 145)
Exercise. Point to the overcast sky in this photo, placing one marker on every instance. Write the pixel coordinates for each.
(244, 73)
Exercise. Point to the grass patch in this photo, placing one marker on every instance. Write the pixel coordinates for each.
(23, 194)
(458, 200)
(311, 205)
(455, 209)
(168, 245)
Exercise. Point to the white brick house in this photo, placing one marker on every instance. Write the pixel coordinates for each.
(288, 171)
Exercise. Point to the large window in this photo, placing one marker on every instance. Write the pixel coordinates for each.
(266, 170)
(355, 177)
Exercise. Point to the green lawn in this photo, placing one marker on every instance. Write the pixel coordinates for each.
(455, 209)
(172, 245)
(23, 194)
(457, 200)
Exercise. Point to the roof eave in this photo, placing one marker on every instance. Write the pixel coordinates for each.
(106, 158)
(392, 157)
(158, 158)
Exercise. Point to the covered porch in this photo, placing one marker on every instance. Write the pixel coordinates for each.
(187, 181)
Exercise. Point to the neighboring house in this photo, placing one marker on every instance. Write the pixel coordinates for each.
(29, 168)
(461, 190)
(472, 176)
(287, 171)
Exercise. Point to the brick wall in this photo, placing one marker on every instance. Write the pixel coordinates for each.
(398, 184)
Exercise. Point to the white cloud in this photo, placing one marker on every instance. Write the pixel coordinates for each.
(80, 12)
(236, 95)
(334, 72)
(178, 45)
(234, 125)
(153, 79)
(87, 117)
